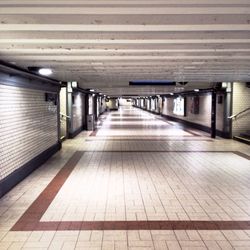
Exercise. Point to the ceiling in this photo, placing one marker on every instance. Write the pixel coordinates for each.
(105, 44)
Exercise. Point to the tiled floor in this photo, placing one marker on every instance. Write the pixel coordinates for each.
(138, 182)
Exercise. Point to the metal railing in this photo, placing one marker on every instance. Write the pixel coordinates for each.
(66, 116)
(243, 111)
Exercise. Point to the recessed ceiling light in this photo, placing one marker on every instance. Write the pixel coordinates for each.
(45, 71)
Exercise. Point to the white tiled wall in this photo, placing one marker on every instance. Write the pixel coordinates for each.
(102, 106)
(78, 110)
(204, 116)
(241, 101)
(28, 126)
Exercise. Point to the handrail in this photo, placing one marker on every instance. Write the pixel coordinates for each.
(63, 115)
(243, 111)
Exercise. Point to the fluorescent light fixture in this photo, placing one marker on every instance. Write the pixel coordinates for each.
(97, 63)
(151, 82)
(171, 93)
(190, 67)
(92, 90)
(196, 90)
(74, 84)
(45, 71)
(197, 63)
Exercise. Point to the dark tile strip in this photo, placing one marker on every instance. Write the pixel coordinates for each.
(140, 136)
(171, 151)
(141, 139)
(135, 127)
(190, 132)
(30, 219)
(242, 155)
(140, 225)
(180, 126)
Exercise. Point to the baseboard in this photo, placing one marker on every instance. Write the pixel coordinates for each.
(188, 123)
(225, 135)
(243, 140)
(75, 133)
(18, 175)
(150, 111)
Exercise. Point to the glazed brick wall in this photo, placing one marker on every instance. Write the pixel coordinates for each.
(241, 101)
(28, 126)
(204, 116)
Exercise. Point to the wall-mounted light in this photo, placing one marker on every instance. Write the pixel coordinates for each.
(40, 71)
(224, 85)
(45, 71)
(74, 84)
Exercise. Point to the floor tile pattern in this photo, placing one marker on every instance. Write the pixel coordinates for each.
(138, 182)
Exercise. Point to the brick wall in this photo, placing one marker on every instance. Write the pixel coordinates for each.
(241, 101)
(28, 126)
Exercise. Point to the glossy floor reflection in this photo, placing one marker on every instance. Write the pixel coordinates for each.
(137, 182)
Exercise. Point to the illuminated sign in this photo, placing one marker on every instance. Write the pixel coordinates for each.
(179, 106)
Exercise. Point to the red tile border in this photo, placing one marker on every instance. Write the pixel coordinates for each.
(30, 220)
(137, 225)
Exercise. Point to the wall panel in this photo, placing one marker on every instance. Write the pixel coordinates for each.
(241, 101)
(28, 126)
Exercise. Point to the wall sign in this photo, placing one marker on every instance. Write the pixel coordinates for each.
(195, 105)
(180, 106)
